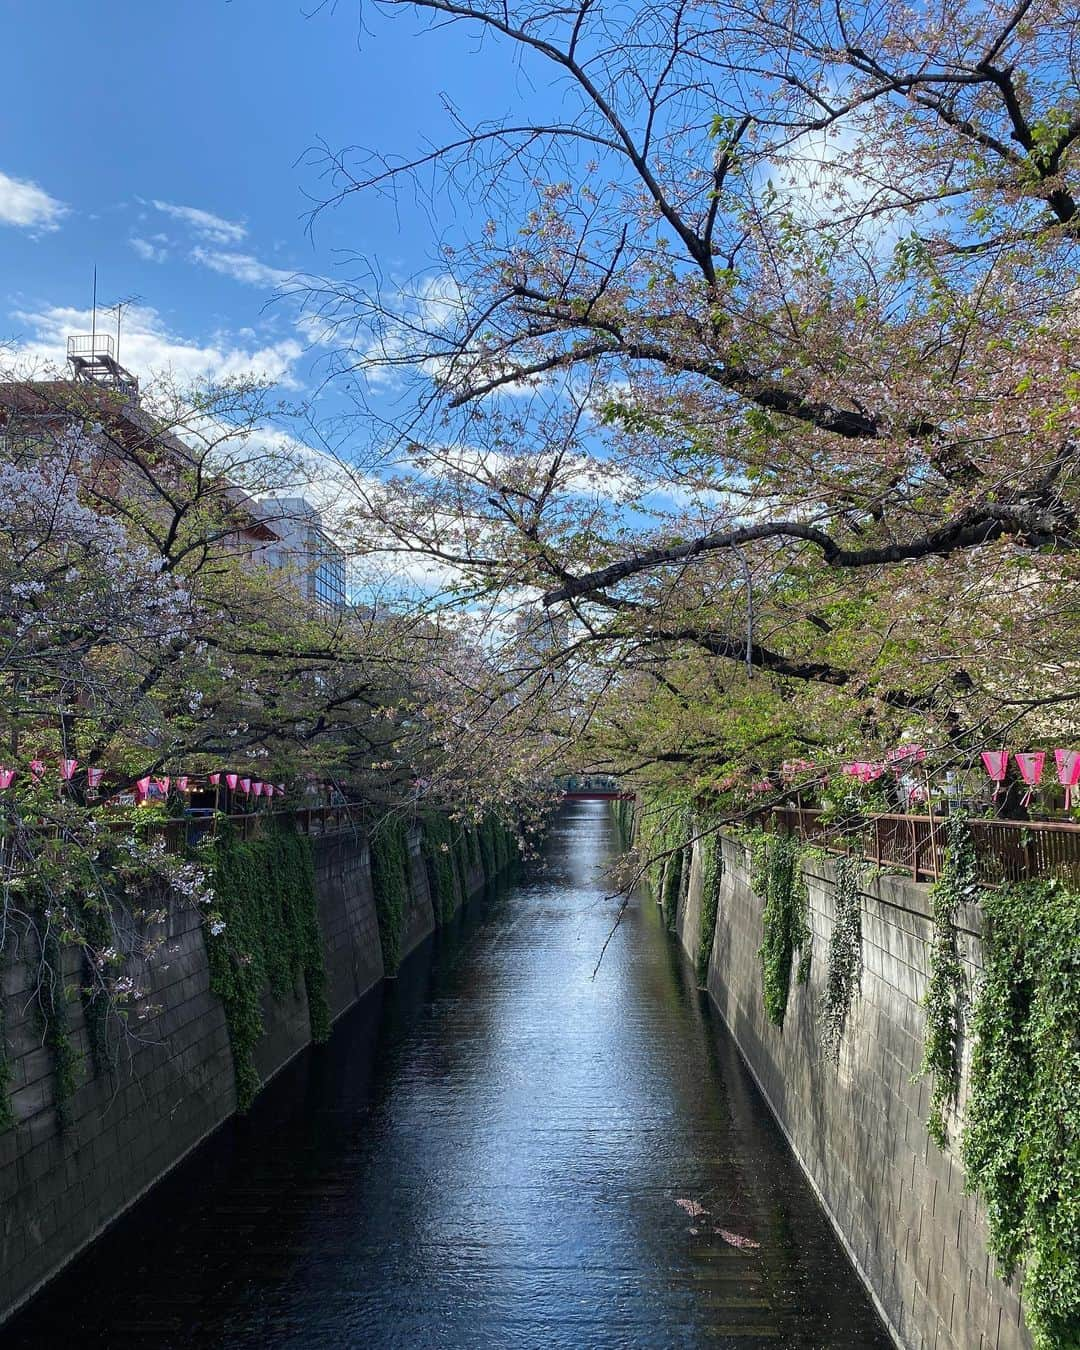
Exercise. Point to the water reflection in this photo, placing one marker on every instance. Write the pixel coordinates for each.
(488, 1153)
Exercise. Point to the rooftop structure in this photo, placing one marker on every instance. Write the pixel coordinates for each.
(93, 359)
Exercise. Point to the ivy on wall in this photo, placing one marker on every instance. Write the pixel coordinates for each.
(675, 870)
(269, 935)
(438, 844)
(52, 1014)
(93, 918)
(944, 991)
(390, 881)
(845, 957)
(712, 873)
(777, 877)
(451, 852)
(1021, 1145)
(486, 832)
(662, 838)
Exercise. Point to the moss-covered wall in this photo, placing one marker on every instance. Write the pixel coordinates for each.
(307, 916)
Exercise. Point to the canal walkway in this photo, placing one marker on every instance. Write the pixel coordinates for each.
(495, 1150)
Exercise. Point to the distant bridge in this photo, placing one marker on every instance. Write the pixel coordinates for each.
(597, 795)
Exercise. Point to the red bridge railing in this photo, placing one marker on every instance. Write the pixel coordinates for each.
(1005, 850)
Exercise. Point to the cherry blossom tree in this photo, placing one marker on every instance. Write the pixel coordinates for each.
(757, 357)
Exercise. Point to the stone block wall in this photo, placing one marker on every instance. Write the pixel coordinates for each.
(858, 1129)
(59, 1187)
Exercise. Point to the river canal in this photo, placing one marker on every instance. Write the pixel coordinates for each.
(491, 1152)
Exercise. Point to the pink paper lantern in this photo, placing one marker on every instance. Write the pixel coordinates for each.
(94, 777)
(67, 769)
(215, 779)
(143, 786)
(1030, 764)
(182, 783)
(37, 768)
(6, 777)
(245, 786)
(257, 789)
(904, 754)
(1068, 771)
(163, 785)
(996, 762)
(232, 779)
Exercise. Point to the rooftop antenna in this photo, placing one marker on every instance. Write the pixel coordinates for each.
(93, 312)
(121, 305)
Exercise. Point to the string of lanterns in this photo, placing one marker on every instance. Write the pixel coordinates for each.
(146, 787)
(903, 758)
(1030, 765)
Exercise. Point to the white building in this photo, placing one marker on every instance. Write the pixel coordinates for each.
(304, 548)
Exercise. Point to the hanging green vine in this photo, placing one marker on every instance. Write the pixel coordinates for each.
(440, 854)
(460, 853)
(1021, 1146)
(674, 872)
(663, 842)
(712, 873)
(944, 991)
(487, 846)
(91, 908)
(390, 880)
(265, 931)
(776, 872)
(52, 1012)
(845, 957)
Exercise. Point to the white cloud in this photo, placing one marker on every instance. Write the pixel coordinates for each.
(837, 177)
(27, 206)
(204, 223)
(148, 251)
(241, 267)
(148, 347)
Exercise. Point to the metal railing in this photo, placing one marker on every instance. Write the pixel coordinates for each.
(310, 820)
(1005, 850)
(92, 344)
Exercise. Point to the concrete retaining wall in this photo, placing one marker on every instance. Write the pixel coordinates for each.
(60, 1187)
(859, 1129)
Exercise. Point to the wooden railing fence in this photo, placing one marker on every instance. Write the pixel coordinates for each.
(1005, 850)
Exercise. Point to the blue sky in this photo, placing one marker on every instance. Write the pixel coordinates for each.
(168, 145)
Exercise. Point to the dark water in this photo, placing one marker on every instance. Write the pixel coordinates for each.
(488, 1154)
